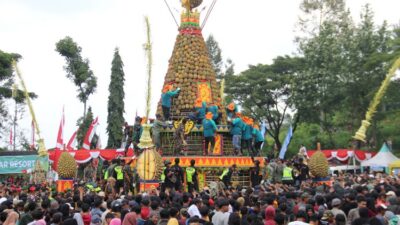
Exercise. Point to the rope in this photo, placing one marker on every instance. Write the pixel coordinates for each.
(208, 13)
(169, 9)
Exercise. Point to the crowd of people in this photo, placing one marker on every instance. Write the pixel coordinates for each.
(272, 199)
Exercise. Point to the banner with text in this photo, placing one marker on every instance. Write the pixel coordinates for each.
(17, 164)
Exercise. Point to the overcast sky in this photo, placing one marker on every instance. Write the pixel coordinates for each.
(248, 32)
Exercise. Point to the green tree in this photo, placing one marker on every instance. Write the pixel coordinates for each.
(7, 79)
(116, 107)
(77, 69)
(264, 92)
(216, 56)
(84, 124)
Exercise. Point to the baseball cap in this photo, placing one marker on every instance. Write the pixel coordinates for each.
(391, 193)
(336, 202)
(327, 215)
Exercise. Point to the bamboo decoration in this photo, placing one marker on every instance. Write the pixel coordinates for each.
(361, 133)
(42, 148)
(145, 140)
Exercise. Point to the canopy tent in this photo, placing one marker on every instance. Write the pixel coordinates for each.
(344, 154)
(382, 159)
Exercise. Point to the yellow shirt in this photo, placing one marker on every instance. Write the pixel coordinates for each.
(173, 221)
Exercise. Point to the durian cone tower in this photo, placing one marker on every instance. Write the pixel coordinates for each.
(191, 70)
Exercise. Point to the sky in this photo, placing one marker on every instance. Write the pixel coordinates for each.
(248, 32)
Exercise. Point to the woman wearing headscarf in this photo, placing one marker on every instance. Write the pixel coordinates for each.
(115, 221)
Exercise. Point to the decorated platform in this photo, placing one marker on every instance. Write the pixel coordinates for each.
(216, 161)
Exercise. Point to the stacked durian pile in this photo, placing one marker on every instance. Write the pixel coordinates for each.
(189, 66)
(67, 166)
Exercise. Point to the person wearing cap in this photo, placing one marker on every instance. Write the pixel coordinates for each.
(167, 176)
(209, 130)
(191, 177)
(236, 132)
(158, 124)
(231, 110)
(166, 97)
(328, 217)
(335, 208)
(226, 175)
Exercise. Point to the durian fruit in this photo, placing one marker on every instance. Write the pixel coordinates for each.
(66, 166)
(149, 165)
(318, 165)
(189, 67)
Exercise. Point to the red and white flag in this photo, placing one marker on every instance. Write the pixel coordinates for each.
(72, 141)
(90, 133)
(60, 135)
(11, 136)
(33, 136)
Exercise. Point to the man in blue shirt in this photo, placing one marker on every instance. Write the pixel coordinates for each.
(166, 100)
(236, 131)
(209, 129)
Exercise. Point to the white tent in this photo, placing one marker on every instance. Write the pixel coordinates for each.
(382, 159)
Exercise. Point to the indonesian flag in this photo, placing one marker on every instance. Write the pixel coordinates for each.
(72, 141)
(60, 136)
(90, 133)
(33, 136)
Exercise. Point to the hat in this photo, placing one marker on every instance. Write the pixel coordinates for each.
(328, 215)
(389, 215)
(167, 162)
(336, 202)
(184, 212)
(209, 115)
(391, 193)
(167, 88)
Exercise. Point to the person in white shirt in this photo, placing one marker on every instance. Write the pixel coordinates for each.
(300, 218)
(193, 210)
(221, 217)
